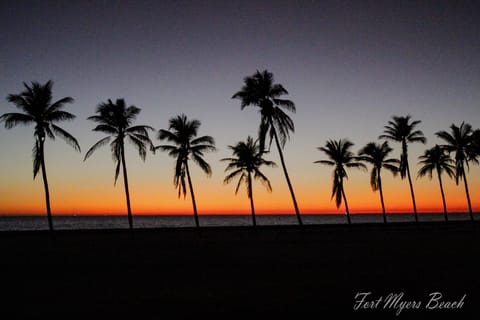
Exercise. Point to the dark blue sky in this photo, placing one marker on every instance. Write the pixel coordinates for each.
(348, 65)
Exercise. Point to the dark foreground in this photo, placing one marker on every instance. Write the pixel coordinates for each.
(239, 273)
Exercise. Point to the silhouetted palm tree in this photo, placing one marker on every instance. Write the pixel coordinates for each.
(37, 108)
(474, 149)
(247, 162)
(260, 91)
(437, 159)
(183, 134)
(403, 131)
(116, 120)
(340, 156)
(459, 141)
(376, 154)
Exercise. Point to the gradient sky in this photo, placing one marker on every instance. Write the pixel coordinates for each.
(348, 65)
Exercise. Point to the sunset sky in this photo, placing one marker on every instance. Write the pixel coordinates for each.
(348, 66)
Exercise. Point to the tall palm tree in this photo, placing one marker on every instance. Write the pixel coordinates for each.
(340, 157)
(183, 134)
(248, 158)
(459, 140)
(116, 120)
(259, 90)
(437, 159)
(376, 155)
(400, 129)
(37, 108)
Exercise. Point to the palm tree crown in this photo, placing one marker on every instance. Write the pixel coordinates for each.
(376, 155)
(459, 140)
(436, 159)
(403, 131)
(338, 151)
(247, 161)
(115, 120)
(36, 103)
(37, 108)
(259, 90)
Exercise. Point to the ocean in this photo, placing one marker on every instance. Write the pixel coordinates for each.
(64, 222)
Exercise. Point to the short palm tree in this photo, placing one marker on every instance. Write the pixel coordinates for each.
(259, 90)
(183, 134)
(376, 154)
(400, 129)
(438, 160)
(37, 108)
(116, 120)
(338, 151)
(459, 140)
(248, 158)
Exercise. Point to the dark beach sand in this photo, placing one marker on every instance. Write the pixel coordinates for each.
(237, 273)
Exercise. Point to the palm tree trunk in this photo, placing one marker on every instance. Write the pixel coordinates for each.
(45, 185)
(127, 192)
(412, 193)
(381, 198)
(282, 160)
(443, 195)
(250, 195)
(468, 194)
(195, 213)
(346, 205)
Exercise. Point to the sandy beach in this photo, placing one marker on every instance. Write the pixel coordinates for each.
(238, 272)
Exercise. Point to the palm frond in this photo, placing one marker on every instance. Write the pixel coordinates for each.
(36, 156)
(67, 137)
(97, 145)
(232, 175)
(139, 145)
(13, 119)
(263, 179)
(202, 164)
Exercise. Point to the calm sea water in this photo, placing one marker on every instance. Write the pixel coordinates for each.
(10, 223)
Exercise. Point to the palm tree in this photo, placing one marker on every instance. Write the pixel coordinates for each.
(340, 157)
(37, 108)
(460, 142)
(116, 120)
(376, 154)
(246, 163)
(260, 91)
(403, 131)
(183, 134)
(439, 160)
(474, 149)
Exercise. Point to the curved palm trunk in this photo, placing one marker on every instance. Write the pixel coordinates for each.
(45, 185)
(412, 193)
(346, 205)
(381, 198)
(250, 195)
(282, 160)
(195, 213)
(468, 194)
(127, 192)
(443, 195)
